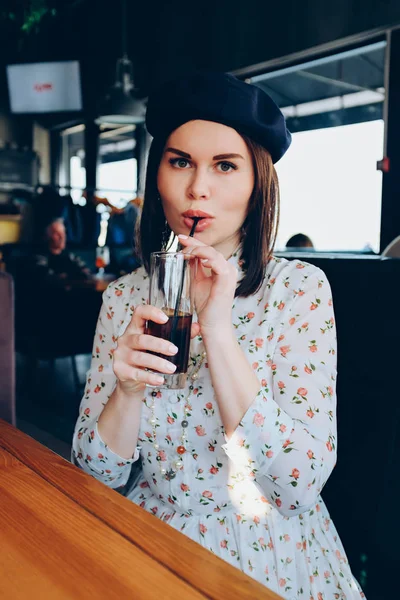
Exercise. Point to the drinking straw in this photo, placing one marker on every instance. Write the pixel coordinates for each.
(178, 299)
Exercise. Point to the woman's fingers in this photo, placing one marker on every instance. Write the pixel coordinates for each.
(144, 342)
(208, 256)
(128, 374)
(132, 357)
(195, 330)
(187, 241)
(146, 360)
(211, 259)
(143, 313)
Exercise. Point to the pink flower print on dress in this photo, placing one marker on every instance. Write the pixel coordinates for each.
(258, 420)
(284, 350)
(200, 430)
(295, 473)
(161, 455)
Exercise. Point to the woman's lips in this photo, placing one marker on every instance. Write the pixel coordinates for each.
(202, 224)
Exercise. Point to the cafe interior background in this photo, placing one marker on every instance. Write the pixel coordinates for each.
(334, 69)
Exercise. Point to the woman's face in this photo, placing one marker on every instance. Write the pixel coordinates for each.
(206, 170)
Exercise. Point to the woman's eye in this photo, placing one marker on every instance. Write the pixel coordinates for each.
(181, 163)
(226, 167)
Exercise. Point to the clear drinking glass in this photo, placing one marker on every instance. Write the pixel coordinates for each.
(102, 259)
(171, 291)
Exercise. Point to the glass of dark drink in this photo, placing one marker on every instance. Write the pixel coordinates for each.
(171, 291)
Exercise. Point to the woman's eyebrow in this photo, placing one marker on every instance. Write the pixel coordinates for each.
(217, 157)
(223, 156)
(180, 152)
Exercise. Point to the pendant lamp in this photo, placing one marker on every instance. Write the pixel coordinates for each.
(122, 105)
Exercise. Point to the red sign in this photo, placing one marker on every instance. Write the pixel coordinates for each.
(43, 87)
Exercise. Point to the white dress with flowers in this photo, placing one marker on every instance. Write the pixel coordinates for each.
(253, 500)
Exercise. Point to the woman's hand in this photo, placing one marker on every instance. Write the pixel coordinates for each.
(131, 357)
(214, 285)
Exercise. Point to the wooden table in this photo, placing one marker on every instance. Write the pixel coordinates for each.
(64, 535)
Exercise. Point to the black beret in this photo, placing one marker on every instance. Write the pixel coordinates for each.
(221, 98)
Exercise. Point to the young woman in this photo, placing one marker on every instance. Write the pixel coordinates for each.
(238, 459)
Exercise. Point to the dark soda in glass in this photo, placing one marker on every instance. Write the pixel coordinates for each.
(181, 337)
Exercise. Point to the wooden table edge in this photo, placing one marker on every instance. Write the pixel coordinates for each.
(235, 579)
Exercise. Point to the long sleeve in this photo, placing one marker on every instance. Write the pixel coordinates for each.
(88, 450)
(286, 441)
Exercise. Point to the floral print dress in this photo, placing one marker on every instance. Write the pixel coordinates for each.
(254, 500)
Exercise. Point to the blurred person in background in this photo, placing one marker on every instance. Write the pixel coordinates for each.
(300, 240)
(54, 266)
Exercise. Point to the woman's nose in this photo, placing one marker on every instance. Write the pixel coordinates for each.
(199, 188)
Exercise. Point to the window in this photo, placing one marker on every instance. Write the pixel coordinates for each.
(117, 164)
(72, 175)
(330, 187)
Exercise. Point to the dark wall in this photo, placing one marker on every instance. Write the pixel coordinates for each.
(232, 35)
(169, 37)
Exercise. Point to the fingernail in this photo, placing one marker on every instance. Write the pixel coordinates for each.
(160, 380)
(164, 317)
(173, 348)
(204, 261)
(183, 237)
(171, 368)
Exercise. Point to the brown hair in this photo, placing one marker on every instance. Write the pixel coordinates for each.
(259, 228)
